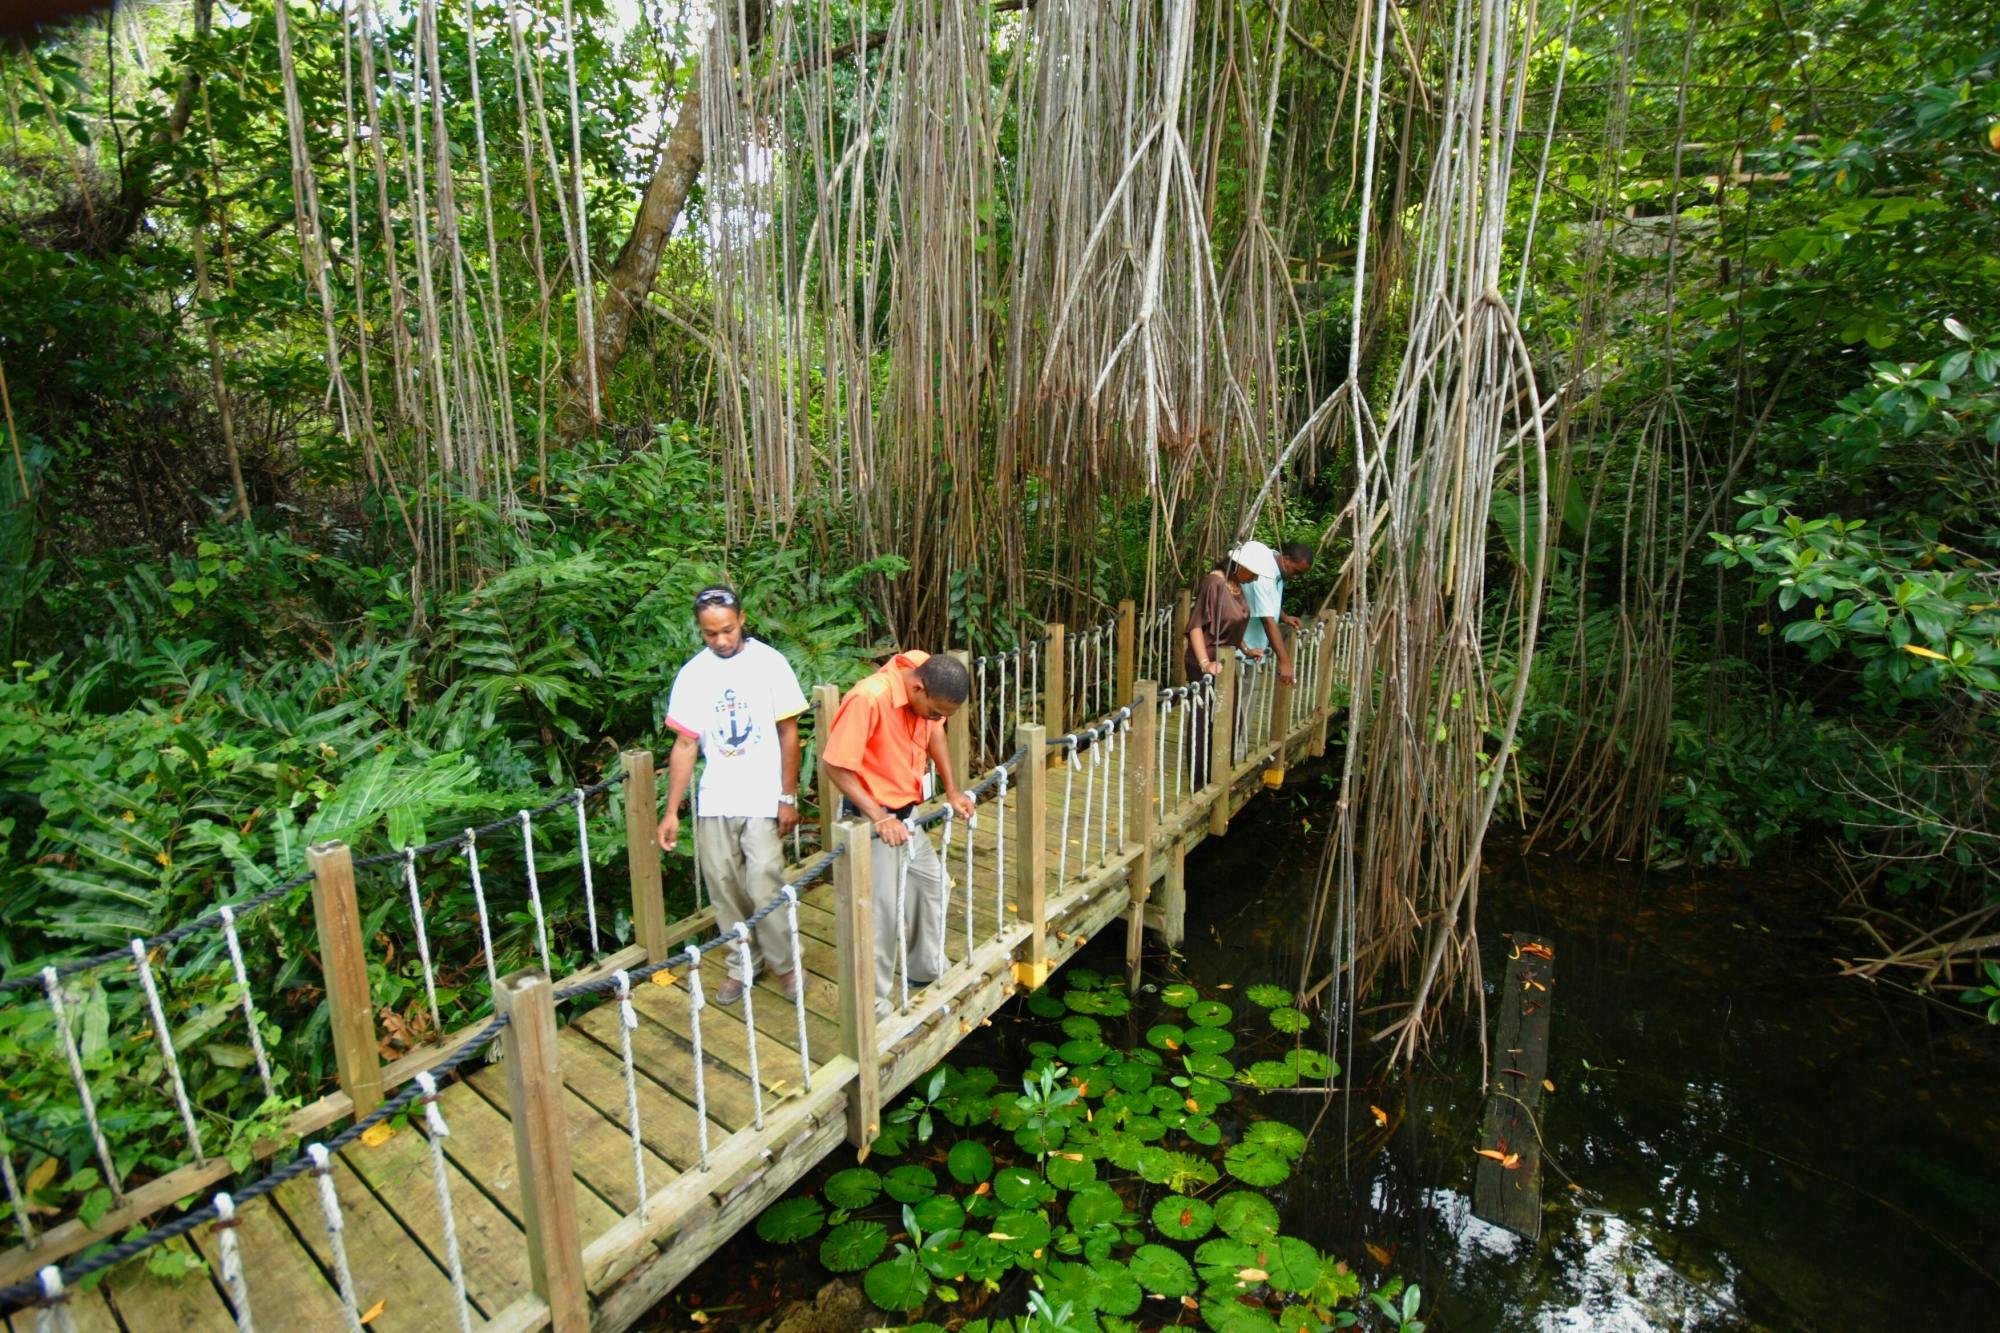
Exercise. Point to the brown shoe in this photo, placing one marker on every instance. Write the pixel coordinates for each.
(788, 983)
(729, 992)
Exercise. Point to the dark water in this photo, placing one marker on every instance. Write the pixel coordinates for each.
(1737, 1139)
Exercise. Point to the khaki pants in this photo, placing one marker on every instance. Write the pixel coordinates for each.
(923, 916)
(743, 863)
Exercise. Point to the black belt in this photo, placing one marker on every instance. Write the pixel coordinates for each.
(848, 810)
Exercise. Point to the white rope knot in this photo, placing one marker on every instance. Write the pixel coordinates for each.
(329, 1201)
(225, 1211)
(695, 998)
(627, 1015)
(789, 893)
(52, 1286)
(433, 1118)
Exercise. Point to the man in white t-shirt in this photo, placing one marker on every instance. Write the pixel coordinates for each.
(737, 704)
(1267, 608)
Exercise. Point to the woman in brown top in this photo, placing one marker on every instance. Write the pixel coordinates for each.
(1217, 620)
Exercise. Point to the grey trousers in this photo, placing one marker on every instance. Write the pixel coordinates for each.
(743, 863)
(922, 918)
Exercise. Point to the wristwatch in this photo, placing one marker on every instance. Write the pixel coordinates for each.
(787, 798)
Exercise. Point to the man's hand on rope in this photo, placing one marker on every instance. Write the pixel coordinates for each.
(963, 804)
(788, 817)
(892, 831)
(670, 830)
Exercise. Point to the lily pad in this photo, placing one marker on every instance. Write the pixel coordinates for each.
(908, 1184)
(1292, 1264)
(1082, 1051)
(898, 1284)
(853, 1188)
(1267, 996)
(1098, 1203)
(791, 1220)
(1044, 1005)
(1180, 995)
(853, 1245)
(1289, 1020)
(1209, 1066)
(1209, 1013)
(1222, 1263)
(1246, 1217)
(1230, 1315)
(1085, 978)
(969, 1161)
(1161, 1271)
(1272, 1074)
(1311, 1063)
(1166, 1036)
(1021, 1231)
(940, 1212)
(1071, 1173)
(1145, 1128)
(1018, 1187)
(1278, 1136)
(1082, 1027)
(1202, 1130)
(948, 1252)
(1132, 1077)
(1179, 1217)
(1210, 1041)
(1256, 1165)
(1178, 1171)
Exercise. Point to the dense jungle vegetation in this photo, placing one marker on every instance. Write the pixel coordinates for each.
(335, 505)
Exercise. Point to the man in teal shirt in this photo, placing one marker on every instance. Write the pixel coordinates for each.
(1267, 598)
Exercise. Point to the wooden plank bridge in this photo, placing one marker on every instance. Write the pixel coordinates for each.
(634, 1125)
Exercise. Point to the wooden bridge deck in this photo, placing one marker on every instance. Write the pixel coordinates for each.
(393, 1230)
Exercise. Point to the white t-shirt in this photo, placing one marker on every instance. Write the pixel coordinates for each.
(733, 705)
(1266, 597)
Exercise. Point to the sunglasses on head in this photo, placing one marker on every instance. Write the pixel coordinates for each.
(715, 597)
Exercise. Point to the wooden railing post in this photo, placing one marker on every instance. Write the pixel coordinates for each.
(642, 853)
(350, 1007)
(541, 1149)
(1055, 690)
(1031, 855)
(958, 731)
(1330, 664)
(1127, 666)
(1176, 665)
(1139, 885)
(1222, 743)
(1281, 717)
(854, 939)
(825, 703)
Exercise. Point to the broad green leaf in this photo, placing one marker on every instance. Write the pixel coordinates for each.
(908, 1184)
(791, 1220)
(853, 1245)
(969, 1161)
(1162, 1272)
(899, 1284)
(856, 1187)
(1179, 1217)
(1245, 1216)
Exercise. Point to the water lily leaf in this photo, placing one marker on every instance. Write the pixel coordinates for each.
(852, 1246)
(1336, 1283)
(1202, 1130)
(900, 1283)
(939, 1212)
(1223, 1262)
(1084, 1051)
(1206, 1094)
(1166, 1036)
(1292, 1264)
(1209, 1066)
(1246, 1217)
(1018, 1187)
(1209, 1013)
(1092, 1080)
(1080, 1027)
(1289, 1020)
(1044, 1005)
(1110, 1003)
(1179, 1217)
(790, 1220)
(1021, 1231)
(1300, 1319)
(1122, 1150)
(1098, 1203)
(1180, 995)
(1273, 1074)
(1256, 1165)
(1267, 996)
(1071, 1173)
(1161, 1271)
(1132, 1077)
(908, 1184)
(1178, 1171)
(1118, 1292)
(1311, 1063)
(1231, 1315)
(1164, 1097)
(1039, 1139)
(1084, 978)
(1145, 1055)
(1210, 1041)
(1278, 1136)
(853, 1188)
(893, 1139)
(969, 1161)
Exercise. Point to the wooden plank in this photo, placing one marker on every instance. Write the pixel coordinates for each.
(344, 966)
(1139, 883)
(287, 1285)
(1511, 1195)
(1031, 854)
(1055, 692)
(662, 1054)
(90, 1308)
(667, 1125)
(541, 1110)
(386, 1266)
(1222, 744)
(854, 889)
(723, 1038)
(642, 855)
(481, 1144)
(491, 1248)
(143, 1301)
(600, 1149)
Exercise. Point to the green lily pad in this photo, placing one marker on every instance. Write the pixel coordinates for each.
(790, 1220)
(969, 1161)
(853, 1245)
(1220, 1260)
(1085, 978)
(1081, 1027)
(1292, 1264)
(853, 1188)
(1098, 1203)
(1311, 1063)
(940, 1212)
(1018, 1187)
(1178, 1171)
(1202, 1130)
(1132, 1077)
(908, 1184)
(1179, 1217)
(1071, 1173)
(1231, 1315)
(893, 1139)
(1267, 996)
(1145, 1128)
(1165, 1096)
(1092, 1081)
(1289, 1020)
(1210, 1041)
(1272, 1074)
(1279, 1137)
(1122, 1150)
(1084, 1051)
(1256, 1165)
(1209, 1066)
(1044, 1005)
(1209, 1013)
(899, 1283)
(947, 1252)
(1166, 1036)
(1246, 1217)
(1180, 995)
(1161, 1271)
(1021, 1231)
(1118, 1293)
(1145, 1055)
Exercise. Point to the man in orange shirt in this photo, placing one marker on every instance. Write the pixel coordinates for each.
(882, 734)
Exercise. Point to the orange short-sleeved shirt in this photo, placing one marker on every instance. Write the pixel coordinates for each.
(877, 735)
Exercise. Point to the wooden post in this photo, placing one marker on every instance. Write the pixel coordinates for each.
(642, 853)
(1281, 719)
(958, 731)
(1127, 665)
(541, 1149)
(1055, 691)
(1139, 884)
(1177, 650)
(344, 967)
(1222, 743)
(854, 937)
(1323, 706)
(1173, 895)
(826, 702)
(1031, 856)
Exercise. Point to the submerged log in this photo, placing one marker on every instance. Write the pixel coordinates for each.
(1507, 1183)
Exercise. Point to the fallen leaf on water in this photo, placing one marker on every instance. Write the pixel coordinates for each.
(985, 1187)
(1252, 1274)
(42, 1174)
(376, 1135)
(1381, 1116)
(1187, 1217)
(1193, 1105)
(374, 1312)
(1493, 1153)
(1225, 985)
(1068, 1156)
(698, 1316)
(1538, 950)
(1190, 1303)
(1511, 1162)
(1377, 1253)
(1548, 1085)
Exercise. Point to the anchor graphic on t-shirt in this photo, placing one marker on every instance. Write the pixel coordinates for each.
(740, 726)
